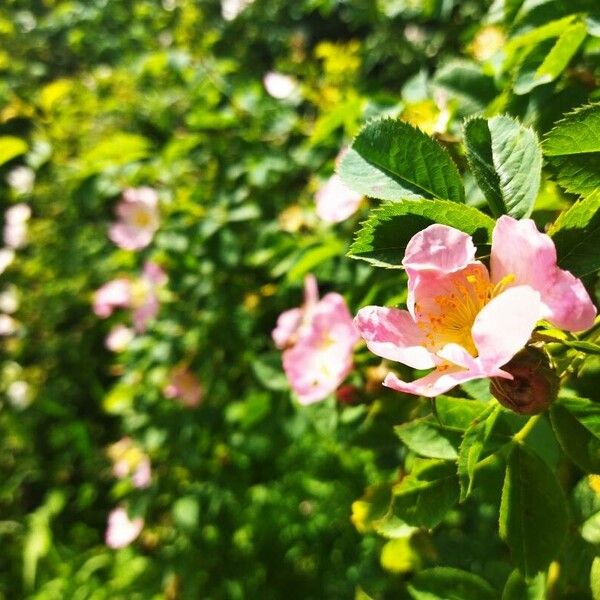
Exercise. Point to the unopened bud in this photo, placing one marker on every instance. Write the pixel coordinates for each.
(534, 387)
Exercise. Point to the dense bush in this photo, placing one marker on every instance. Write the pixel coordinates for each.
(212, 128)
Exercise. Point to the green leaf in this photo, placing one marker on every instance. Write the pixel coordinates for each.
(575, 234)
(439, 435)
(585, 411)
(11, 147)
(425, 495)
(595, 578)
(392, 160)
(314, 256)
(519, 588)
(578, 443)
(573, 149)
(506, 159)
(446, 583)
(478, 440)
(565, 48)
(532, 500)
(383, 237)
(119, 149)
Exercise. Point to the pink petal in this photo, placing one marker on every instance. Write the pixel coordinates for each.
(439, 248)
(504, 326)
(435, 383)
(335, 201)
(114, 294)
(287, 326)
(392, 334)
(122, 530)
(154, 273)
(311, 291)
(520, 251)
(129, 237)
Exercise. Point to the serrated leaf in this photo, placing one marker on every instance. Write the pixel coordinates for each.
(11, 147)
(519, 588)
(563, 50)
(577, 442)
(446, 583)
(425, 495)
(383, 237)
(573, 149)
(439, 435)
(392, 160)
(478, 440)
(575, 234)
(506, 159)
(531, 500)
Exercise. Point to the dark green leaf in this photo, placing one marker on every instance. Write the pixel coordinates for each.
(383, 237)
(425, 495)
(392, 160)
(506, 159)
(445, 583)
(532, 500)
(519, 588)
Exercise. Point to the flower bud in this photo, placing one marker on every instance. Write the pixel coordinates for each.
(534, 387)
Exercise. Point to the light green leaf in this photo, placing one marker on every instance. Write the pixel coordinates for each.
(314, 256)
(519, 588)
(506, 159)
(565, 48)
(425, 495)
(392, 160)
(383, 237)
(118, 149)
(531, 500)
(575, 234)
(595, 578)
(11, 147)
(446, 583)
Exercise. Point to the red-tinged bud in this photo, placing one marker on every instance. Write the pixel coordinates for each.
(534, 387)
(346, 394)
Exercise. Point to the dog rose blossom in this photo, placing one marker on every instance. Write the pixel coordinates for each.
(317, 341)
(138, 219)
(335, 201)
(464, 321)
(122, 530)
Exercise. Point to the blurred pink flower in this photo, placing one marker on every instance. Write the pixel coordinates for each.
(119, 338)
(185, 387)
(335, 201)
(464, 322)
(15, 225)
(317, 341)
(129, 461)
(142, 476)
(279, 86)
(114, 294)
(138, 219)
(122, 530)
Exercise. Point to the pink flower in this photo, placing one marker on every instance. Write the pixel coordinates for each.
(128, 460)
(145, 295)
(185, 387)
(119, 338)
(335, 201)
(122, 530)
(15, 225)
(317, 341)
(279, 86)
(138, 219)
(465, 322)
(112, 295)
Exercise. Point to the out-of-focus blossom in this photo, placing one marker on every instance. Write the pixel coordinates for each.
(112, 295)
(279, 86)
(7, 256)
(336, 201)
(141, 295)
(465, 322)
(119, 338)
(138, 219)
(317, 341)
(21, 179)
(8, 326)
(122, 530)
(19, 394)
(230, 9)
(15, 225)
(184, 386)
(145, 295)
(9, 300)
(487, 42)
(129, 461)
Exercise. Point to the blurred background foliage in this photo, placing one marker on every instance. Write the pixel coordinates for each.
(251, 494)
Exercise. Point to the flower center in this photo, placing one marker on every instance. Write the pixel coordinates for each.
(141, 218)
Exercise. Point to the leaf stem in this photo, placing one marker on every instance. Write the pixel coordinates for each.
(526, 429)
